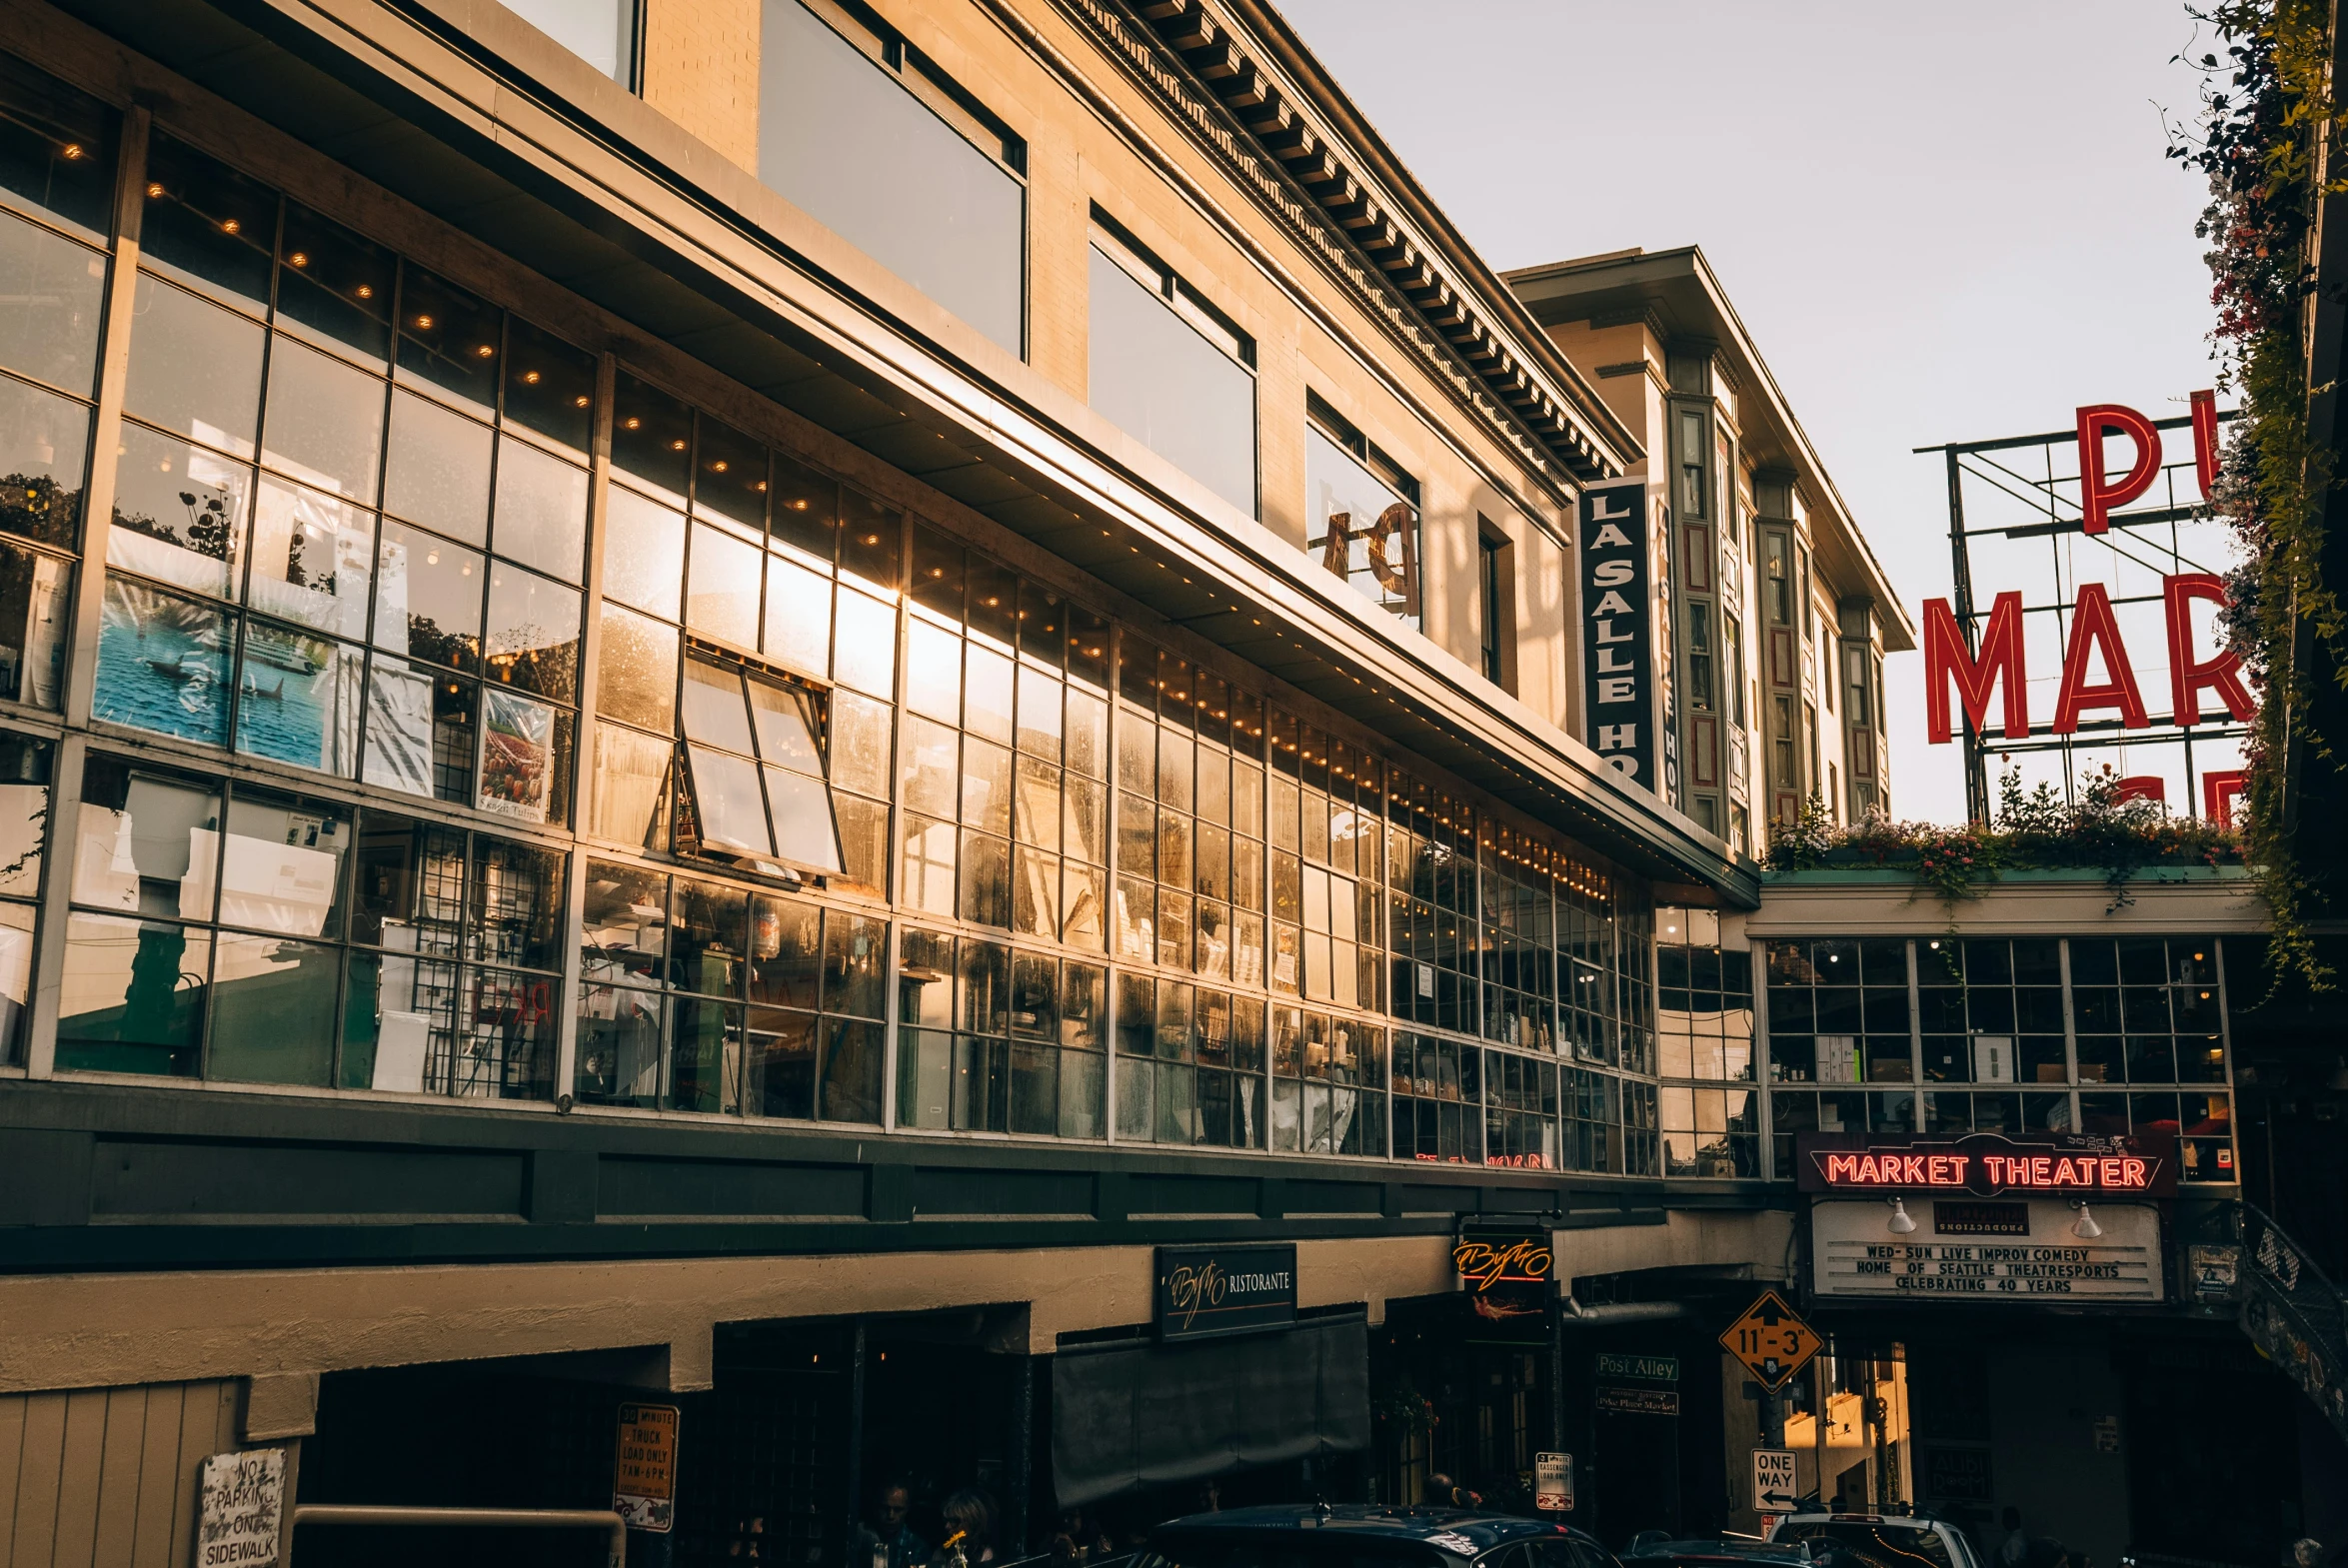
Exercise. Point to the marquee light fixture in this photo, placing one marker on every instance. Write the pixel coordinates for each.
(2086, 1229)
(1899, 1224)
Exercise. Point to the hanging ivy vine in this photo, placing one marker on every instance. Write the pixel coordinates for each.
(2268, 107)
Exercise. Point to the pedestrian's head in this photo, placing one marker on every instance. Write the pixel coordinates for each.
(972, 1513)
(896, 1503)
(1442, 1490)
(2011, 1519)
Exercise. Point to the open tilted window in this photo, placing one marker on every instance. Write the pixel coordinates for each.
(753, 752)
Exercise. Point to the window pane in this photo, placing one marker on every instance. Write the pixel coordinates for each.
(781, 1053)
(786, 727)
(298, 699)
(56, 149)
(409, 887)
(714, 708)
(132, 996)
(273, 1010)
(180, 513)
(986, 695)
(49, 325)
(533, 634)
(438, 469)
(865, 643)
(639, 669)
(600, 32)
(709, 924)
(448, 339)
(722, 596)
(1160, 382)
(325, 420)
(334, 286)
(704, 1056)
(541, 509)
(644, 552)
(313, 558)
(926, 867)
(932, 677)
(550, 388)
(16, 980)
(1378, 554)
(517, 904)
(161, 663)
(865, 159)
(420, 731)
(44, 442)
(798, 616)
(428, 597)
(725, 797)
(631, 784)
(195, 369)
(801, 813)
(1039, 715)
(620, 1055)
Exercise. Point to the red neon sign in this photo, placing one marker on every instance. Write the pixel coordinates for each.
(1984, 1164)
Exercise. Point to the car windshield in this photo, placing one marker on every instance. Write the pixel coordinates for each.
(1870, 1544)
(1286, 1550)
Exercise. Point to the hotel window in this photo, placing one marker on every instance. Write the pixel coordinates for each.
(1363, 513)
(1732, 665)
(1189, 891)
(253, 936)
(1724, 505)
(1003, 750)
(1190, 1065)
(1495, 593)
(703, 995)
(997, 1038)
(1691, 464)
(748, 654)
(874, 141)
(1519, 952)
(1430, 851)
(1699, 654)
(25, 765)
(349, 513)
(1169, 369)
(604, 33)
(57, 150)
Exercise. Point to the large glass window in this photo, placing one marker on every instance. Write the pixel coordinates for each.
(1361, 514)
(365, 560)
(877, 145)
(57, 151)
(997, 1038)
(243, 933)
(600, 32)
(1170, 370)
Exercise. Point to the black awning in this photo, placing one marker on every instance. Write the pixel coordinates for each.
(1131, 1416)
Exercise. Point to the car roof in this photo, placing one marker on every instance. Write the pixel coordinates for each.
(1460, 1532)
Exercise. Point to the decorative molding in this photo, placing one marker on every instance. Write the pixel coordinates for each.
(1196, 68)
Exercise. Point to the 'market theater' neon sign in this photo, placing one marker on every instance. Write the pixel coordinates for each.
(1987, 1164)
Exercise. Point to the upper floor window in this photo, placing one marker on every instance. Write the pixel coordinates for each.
(876, 143)
(1364, 512)
(1169, 369)
(600, 32)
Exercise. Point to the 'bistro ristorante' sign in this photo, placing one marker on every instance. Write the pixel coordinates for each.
(1508, 1275)
(1205, 1291)
(1988, 1164)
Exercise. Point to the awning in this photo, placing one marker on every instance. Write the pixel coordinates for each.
(1129, 1417)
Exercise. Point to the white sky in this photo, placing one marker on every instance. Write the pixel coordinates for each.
(1940, 223)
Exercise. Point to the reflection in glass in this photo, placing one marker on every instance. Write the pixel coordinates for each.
(541, 509)
(644, 552)
(549, 387)
(132, 996)
(631, 788)
(864, 646)
(44, 442)
(449, 340)
(637, 677)
(428, 597)
(56, 149)
(35, 596)
(179, 512)
(334, 286)
(533, 633)
(312, 557)
(722, 593)
(195, 369)
(438, 468)
(325, 420)
(273, 1010)
(798, 616)
(49, 322)
(207, 223)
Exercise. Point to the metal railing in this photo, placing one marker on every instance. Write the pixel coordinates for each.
(2295, 1314)
(614, 1527)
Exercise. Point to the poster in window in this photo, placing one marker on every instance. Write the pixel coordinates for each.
(399, 727)
(517, 755)
(161, 663)
(298, 699)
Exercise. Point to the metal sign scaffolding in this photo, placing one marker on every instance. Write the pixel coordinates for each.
(2014, 512)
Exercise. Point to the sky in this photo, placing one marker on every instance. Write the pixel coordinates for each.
(1939, 223)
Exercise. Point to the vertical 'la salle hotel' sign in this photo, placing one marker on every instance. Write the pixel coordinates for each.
(1617, 650)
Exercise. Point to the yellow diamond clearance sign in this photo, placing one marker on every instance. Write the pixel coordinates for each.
(1772, 1340)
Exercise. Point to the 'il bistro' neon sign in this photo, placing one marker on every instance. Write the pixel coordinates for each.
(1986, 1164)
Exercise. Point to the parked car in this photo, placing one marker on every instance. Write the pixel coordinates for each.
(1351, 1535)
(1878, 1540)
(1657, 1549)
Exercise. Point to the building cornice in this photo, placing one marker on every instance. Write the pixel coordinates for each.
(1270, 127)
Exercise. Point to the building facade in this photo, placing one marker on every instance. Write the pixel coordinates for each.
(719, 707)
